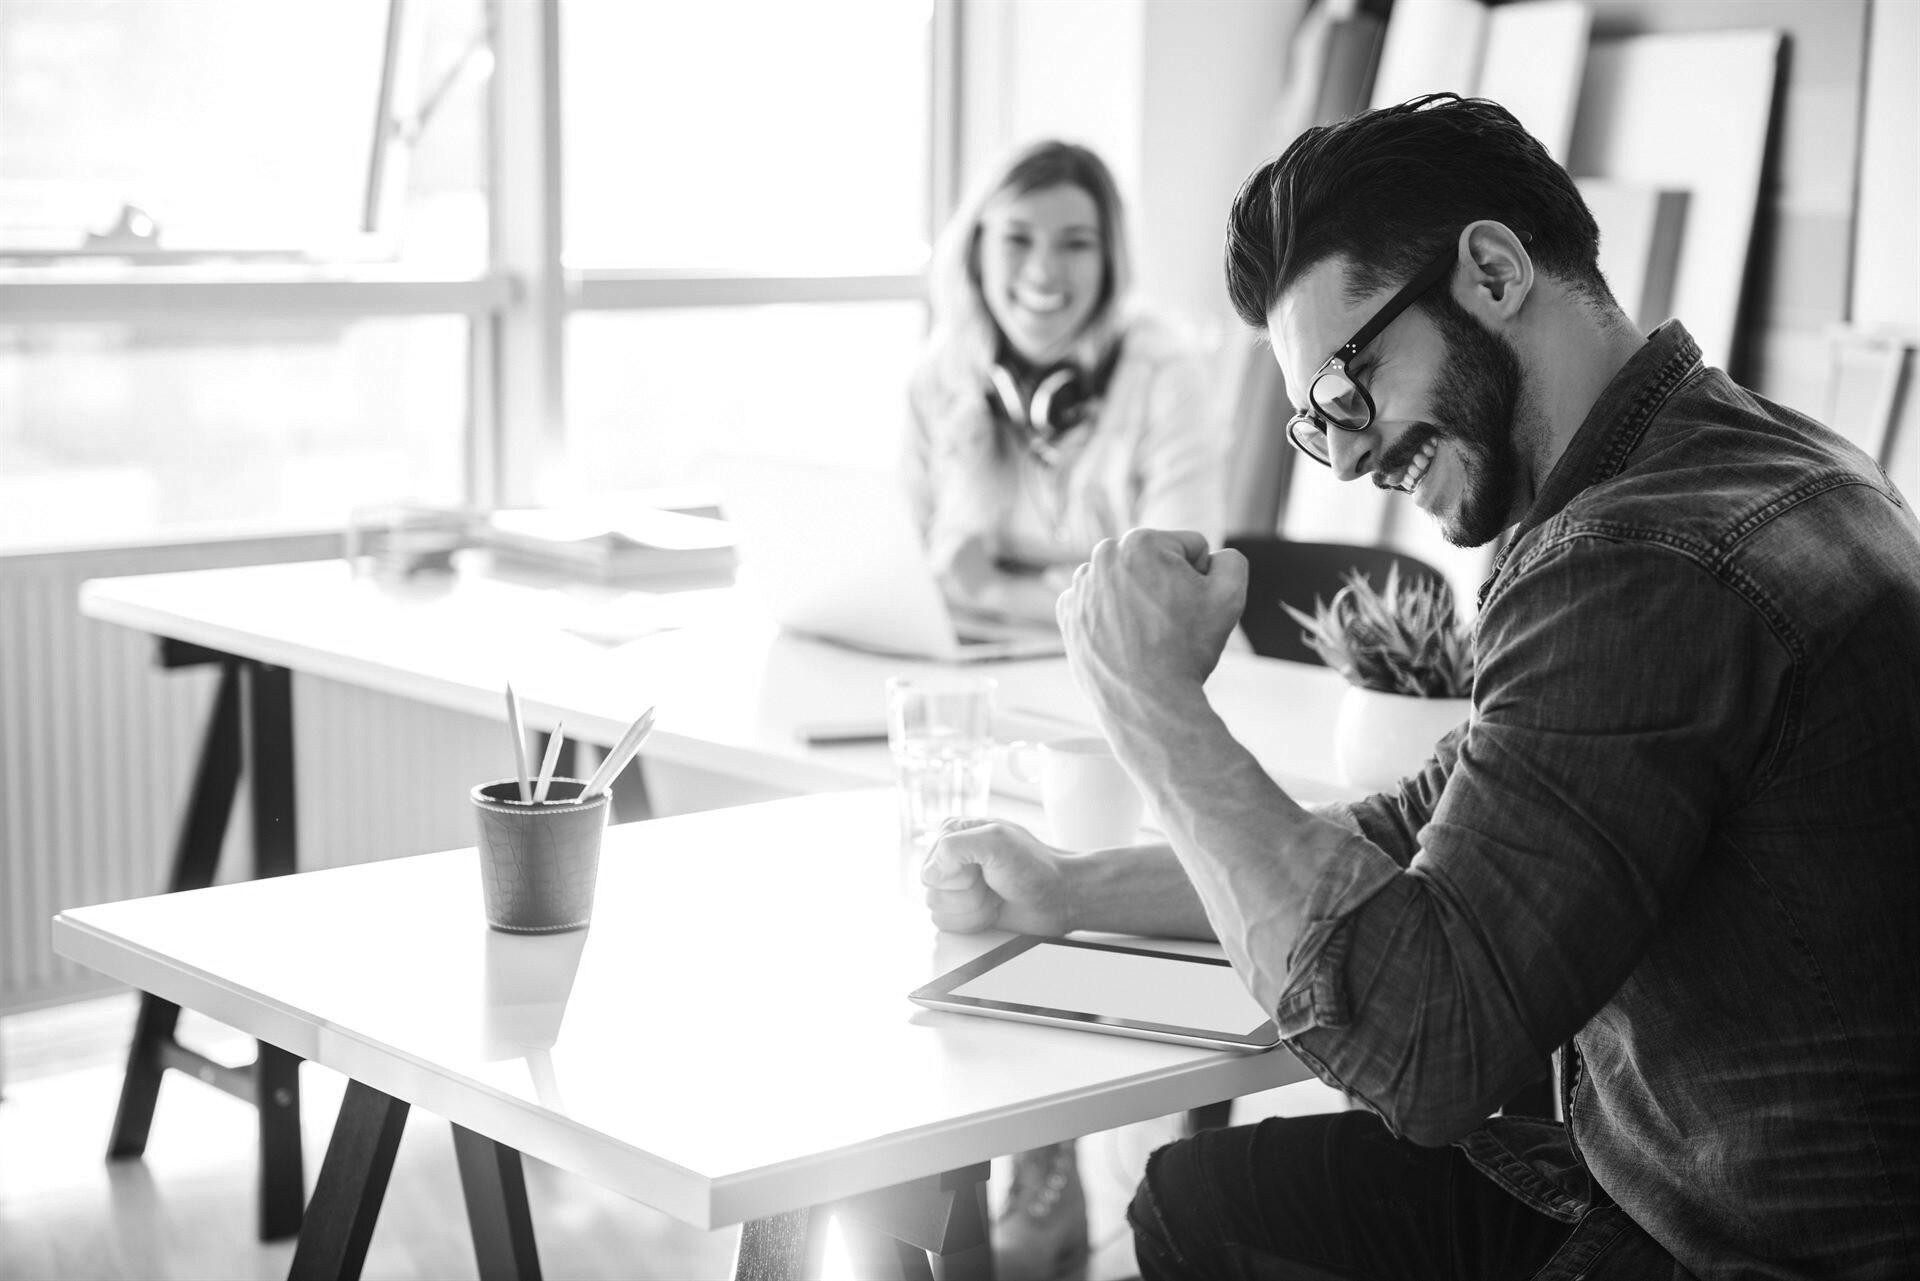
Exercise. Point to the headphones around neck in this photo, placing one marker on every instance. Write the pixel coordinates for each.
(1045, 407)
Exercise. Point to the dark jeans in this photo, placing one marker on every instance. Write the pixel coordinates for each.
(1328, 1198)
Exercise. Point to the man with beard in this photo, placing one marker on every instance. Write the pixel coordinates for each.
(1677, 845)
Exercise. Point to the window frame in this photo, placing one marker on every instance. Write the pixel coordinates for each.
(517, 307)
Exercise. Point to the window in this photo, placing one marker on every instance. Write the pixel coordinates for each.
(226, 123)
(751, 135)
(229, 302)
(201, 329)
(761, 169)
(653, 395)
(112, 432)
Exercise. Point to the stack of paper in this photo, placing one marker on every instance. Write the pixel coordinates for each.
(611, 545)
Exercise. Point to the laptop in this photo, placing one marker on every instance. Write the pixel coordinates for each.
(834, 552)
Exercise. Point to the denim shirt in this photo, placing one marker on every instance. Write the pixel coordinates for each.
(1677, 845)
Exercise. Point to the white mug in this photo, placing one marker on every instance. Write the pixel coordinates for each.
(1090, 801)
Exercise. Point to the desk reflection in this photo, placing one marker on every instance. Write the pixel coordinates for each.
(528, 982)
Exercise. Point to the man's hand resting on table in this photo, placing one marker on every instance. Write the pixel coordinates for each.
(984, 875)
(1145, 622)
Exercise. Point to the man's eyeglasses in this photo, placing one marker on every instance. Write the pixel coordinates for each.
(1334, 396)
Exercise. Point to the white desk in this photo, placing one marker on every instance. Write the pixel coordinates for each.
(730, 1041)
(732, 694)
(732, 690)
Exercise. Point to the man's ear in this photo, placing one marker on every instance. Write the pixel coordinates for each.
(1499, 271)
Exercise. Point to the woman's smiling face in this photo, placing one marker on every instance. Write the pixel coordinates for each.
(1042, 268)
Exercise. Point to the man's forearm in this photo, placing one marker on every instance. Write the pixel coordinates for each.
(1140, 889)
(1251, 854)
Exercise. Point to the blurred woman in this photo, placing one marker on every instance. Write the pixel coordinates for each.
(1049, 413)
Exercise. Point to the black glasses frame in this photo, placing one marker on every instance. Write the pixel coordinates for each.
(1316, 415)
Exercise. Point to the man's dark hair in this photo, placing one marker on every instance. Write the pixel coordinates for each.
(1390, 188)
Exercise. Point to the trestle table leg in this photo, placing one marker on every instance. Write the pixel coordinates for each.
(353, 1179)
(196, 857)
(495, 1187)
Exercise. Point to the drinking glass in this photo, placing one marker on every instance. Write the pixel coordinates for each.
(940, 729)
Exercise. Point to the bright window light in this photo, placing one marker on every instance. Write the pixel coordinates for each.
(762, 135)
(117, 432)
(233, 124)
(653, 396)
(163, 128)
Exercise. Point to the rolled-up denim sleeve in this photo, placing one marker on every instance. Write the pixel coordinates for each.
(1625, 696)
(1392, 820)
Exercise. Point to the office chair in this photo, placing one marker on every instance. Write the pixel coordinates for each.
(1280, 571)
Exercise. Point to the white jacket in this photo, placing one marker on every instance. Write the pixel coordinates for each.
(1152, 455)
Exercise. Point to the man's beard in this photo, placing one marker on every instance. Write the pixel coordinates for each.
(1475, 403)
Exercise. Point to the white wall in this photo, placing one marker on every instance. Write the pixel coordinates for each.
(1074, 71)
(1886, 265)
(1215, 73)
(1179, 97)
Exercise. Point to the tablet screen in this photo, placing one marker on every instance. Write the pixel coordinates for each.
(1108, 988)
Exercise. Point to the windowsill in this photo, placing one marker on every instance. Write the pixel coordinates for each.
(289, 543)
(607, 288)
(120, 269)
(116, 288)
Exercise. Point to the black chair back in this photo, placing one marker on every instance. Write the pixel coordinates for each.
(1280, 571)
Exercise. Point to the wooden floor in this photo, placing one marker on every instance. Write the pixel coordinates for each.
(186, 1210)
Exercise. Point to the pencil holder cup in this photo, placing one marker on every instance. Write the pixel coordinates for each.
(539, 862)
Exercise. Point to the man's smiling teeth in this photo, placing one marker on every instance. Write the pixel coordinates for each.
(1409, 480)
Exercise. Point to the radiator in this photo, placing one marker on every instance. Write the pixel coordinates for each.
(98, 746)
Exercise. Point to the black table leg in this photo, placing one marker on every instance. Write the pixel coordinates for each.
(353, 1179)
(270, 768)
(276, 1083)
(251, 731)
(283, 1183)
(495, 1187)
(196, 857)
(1210, 1116)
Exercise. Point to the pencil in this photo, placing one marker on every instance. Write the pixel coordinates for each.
(622, 753)
(547, 763)
(519, 746)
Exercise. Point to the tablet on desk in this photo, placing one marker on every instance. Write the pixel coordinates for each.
(1102, 987)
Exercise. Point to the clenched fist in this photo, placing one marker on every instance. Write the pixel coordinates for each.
(983, 875)
(1153, 605)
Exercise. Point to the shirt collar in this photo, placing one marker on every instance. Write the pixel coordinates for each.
(1611, 429)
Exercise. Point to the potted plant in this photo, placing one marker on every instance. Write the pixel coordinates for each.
(1409, 668)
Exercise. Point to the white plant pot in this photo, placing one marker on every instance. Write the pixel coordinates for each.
(1379, 739)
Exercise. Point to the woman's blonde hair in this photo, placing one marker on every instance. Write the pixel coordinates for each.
(965, 337)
